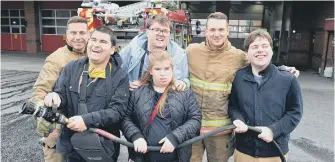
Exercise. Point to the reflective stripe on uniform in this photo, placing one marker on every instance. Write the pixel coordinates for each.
(210, 125)
(210, 86)
(216, 123)
(205, 130)
(58, 126)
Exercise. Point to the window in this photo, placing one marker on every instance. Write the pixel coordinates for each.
(62, 13)
(48, 13)
(241, 28)
(61, 22)
(5, 29)
(14, 13)
(5, 21)
(4, 13)
(23, 22)
(202, 27)
(12, 21)
(23, 29)
(21, 13)
(49, 30)
(15, 29)
(55, 21)
(61, 30)
(47, 22)
(74, 13)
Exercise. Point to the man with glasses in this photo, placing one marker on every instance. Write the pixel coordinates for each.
(157, 37)
(212, 66)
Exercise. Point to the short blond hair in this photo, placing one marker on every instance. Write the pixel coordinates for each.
(76, 19)
(161, 19)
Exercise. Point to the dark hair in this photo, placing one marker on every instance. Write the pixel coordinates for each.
(217, 15)
(256, 34)
(106, 30)
(161, 19)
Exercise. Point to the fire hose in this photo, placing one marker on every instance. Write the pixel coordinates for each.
(185, 143)
(52, 116)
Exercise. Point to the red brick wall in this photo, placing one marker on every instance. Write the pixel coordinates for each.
(317, 50)
(298, 55)
(329, 24)
(330, 51)
(33, 41)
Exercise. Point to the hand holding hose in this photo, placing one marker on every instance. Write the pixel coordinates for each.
(167, 146)
(52, 99)
(241, 127)
(76, 123)
(266, 134)
(140, 145)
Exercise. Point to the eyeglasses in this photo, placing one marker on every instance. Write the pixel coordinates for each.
(158, 31)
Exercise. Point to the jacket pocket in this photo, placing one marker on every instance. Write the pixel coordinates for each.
(231, 145)
(74, 89)
(101, 92)
(283, 140)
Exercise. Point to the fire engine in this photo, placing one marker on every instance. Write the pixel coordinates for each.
(130, 20)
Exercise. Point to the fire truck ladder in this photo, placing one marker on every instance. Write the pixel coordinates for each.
(131, 9)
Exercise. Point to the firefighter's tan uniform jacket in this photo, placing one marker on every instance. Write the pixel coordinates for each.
(46, 80)
(211, 75)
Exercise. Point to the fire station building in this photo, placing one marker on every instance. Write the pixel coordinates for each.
(303, 32)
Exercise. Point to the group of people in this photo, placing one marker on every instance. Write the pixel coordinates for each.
(159, 94)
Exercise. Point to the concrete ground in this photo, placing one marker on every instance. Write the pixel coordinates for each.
(311, 141)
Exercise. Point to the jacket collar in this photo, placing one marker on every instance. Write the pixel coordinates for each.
(69, 48)
(267, 73)
(226, 46)
(115, 60)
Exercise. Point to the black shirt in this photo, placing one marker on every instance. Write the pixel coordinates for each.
(159, 128)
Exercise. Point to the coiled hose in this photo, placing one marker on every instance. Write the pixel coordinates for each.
(185, 143)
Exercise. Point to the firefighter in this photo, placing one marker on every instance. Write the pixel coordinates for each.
(157, 37)
(212, 67)
(77, 35)
(276, 110)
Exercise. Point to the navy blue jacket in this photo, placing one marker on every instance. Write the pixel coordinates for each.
(275, 103)
(103, 112)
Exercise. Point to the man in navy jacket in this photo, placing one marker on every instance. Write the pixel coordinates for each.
(106, 97)
(266, 97)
